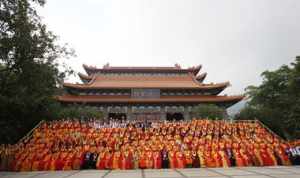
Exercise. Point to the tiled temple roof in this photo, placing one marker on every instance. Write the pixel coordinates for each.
(188, 81)
(106, 68)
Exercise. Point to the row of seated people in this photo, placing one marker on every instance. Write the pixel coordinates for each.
(72, 144)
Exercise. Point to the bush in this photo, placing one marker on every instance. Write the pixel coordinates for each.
(209, 111)
(80, 112)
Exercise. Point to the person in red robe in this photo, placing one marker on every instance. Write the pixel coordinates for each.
(172, 159)
(157, 160)
(60, 161)
(267, 156)
(180, 160)
(209, 160)
(36, 162)
(142, 160)
(149, 159)
(47, 162)
(78, 160)
(26, 165)
(101, 160)
(108, 160)
(246, 157)
(128, 159)
(68, 161)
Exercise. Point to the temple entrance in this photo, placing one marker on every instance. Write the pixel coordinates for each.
(176, 116)
(117, 116)
(146, 116)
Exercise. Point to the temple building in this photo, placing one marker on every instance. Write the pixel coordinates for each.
(146, 92)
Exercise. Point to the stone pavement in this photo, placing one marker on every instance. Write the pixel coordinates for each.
(245, 172)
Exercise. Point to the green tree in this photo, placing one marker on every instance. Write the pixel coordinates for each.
(29, 72)
(209, 111)
(276, 102)
(79, 112)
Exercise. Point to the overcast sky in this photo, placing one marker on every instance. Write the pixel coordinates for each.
(234, 40)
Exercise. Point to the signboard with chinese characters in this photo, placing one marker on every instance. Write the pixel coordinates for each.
(145, 93)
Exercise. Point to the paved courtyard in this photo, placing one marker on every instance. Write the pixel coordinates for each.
(247, 172)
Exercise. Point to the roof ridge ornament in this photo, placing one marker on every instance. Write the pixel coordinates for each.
(177, 66)
(106, 66)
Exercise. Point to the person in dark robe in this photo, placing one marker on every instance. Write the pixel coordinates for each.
(294, 155)
(196, 160)
(93, 160)
(165, 159)
(230, 157)
(86, 160)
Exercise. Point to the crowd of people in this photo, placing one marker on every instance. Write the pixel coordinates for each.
(93, 144)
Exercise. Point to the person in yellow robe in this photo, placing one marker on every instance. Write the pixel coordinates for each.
(136, 158)
(116, 160)
(224, 158)
(201, 157)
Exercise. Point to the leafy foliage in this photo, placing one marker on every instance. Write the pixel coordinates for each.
(276, 102)
(29, 68)
(208, 111)
(79, 112)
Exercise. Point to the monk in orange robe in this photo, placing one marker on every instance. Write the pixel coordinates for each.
(45, 163)
(53, 160)
(257, 155)
(266, 156)
(36, 162)
(172, 159)
(78, 160)
(246, 157)
(116, 160)
(240, 162)
(209, 160)
(252, 156)
(18, 163)
(180, 160)
(217, 158)
(59, 164)
(142, 160)
(26, 164)
(68, 161)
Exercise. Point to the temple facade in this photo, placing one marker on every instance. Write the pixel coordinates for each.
(146, 92)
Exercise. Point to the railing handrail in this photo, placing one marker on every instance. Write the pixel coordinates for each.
(263, 125)
(31, 131)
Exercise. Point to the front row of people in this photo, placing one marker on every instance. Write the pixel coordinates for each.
(152, 159)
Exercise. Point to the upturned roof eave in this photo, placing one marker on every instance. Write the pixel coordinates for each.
(90, 70)
(231, 100)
